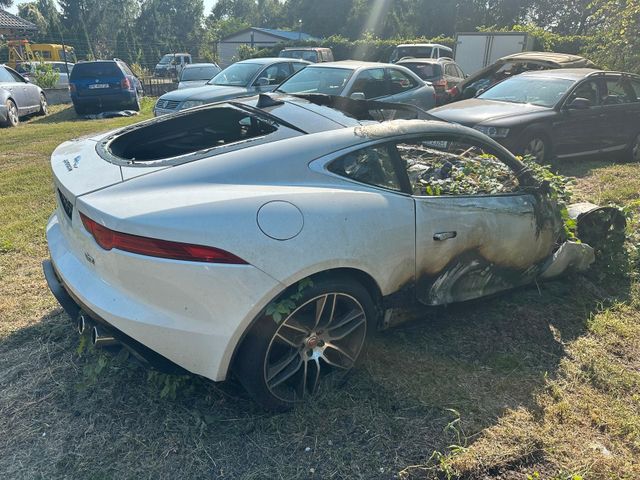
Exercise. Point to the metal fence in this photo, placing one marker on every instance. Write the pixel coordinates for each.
(154, 87)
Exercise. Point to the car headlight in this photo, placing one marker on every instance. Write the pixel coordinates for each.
(493, 132)
(191, 104)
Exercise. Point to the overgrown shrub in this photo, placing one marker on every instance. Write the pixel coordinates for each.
(45, 76)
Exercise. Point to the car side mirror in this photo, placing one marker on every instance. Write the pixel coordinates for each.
(579, 104)
(469, 92)
(357, 96)
(262, 82)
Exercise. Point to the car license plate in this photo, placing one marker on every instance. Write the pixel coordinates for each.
(99, 85)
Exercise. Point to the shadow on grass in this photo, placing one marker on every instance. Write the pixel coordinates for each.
(66, 114)
(97, 416)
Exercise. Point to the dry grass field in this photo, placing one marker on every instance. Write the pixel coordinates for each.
(539, 383)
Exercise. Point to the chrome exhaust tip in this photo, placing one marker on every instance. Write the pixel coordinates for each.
(82, 324)
(102, 338)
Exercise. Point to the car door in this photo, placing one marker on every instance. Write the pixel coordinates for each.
(13, 82)
(478, 230)
(618, 99)
(370, 83)
(403, 88)
(272, 76)
(581, 131)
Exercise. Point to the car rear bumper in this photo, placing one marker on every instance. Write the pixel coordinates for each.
(192, 314)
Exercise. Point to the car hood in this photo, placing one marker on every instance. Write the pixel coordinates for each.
(192, 83)
(207, 93)
(474, 111)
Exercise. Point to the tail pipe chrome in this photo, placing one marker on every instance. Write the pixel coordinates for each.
(100, 337)
(83, 324)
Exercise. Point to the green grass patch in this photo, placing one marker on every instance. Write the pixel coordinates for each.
(541, 382)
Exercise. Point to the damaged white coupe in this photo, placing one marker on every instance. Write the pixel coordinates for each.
(269, 236)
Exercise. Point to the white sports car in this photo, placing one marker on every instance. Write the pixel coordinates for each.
(268, 236)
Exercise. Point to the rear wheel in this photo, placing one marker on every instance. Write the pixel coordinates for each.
(44, 107)
(13, 117)
(634, 149)
(281, 363)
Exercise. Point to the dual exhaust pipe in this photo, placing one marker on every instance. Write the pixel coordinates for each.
(100, 336)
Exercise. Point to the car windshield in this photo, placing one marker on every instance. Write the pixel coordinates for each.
(421, 52)
(425, 71)
(166, 59)
(308, 55)
(330, 81)
(238, 75)
(545, 92)
(199, 73)
(95, 70)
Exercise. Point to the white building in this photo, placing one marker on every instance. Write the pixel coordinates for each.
(257, 38)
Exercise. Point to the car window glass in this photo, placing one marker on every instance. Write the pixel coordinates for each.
(400, 81)
(15, 77)
(588, 90)
(126, 69)
(448, 165)
(5, 76)
(276, 74)
(298, 66)
(618, 92)
(371, 165)
(450, 70)
(460, 72)
(92, 70)
(635, 84)
(371, 83)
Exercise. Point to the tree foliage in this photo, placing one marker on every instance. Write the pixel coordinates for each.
(143, 30)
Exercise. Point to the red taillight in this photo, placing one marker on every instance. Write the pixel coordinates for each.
(125, 83)
(454, 91)
(154, 247)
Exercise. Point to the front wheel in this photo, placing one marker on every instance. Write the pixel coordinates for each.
(537, 146)
(44, 107)
(13, 118)
(282, 362)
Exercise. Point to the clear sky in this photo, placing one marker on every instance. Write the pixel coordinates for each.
(208, 5)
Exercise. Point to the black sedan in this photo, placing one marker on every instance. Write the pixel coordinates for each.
(557, 113)
(18, 97)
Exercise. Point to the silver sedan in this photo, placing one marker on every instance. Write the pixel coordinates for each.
(18, 97)
(362, 81)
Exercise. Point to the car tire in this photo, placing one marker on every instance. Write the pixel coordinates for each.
(44, 107)
(538, 145)
(80, 110)
(633, 152)
(281, 362)
(13, 117)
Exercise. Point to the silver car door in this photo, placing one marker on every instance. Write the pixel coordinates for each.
(403, 88)
(30, 93)
(477, 230)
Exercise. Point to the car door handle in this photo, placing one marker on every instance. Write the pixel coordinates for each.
(440, 236)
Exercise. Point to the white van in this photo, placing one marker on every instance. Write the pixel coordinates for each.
(171, 64)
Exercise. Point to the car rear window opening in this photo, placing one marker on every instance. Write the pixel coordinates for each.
(188, 133)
